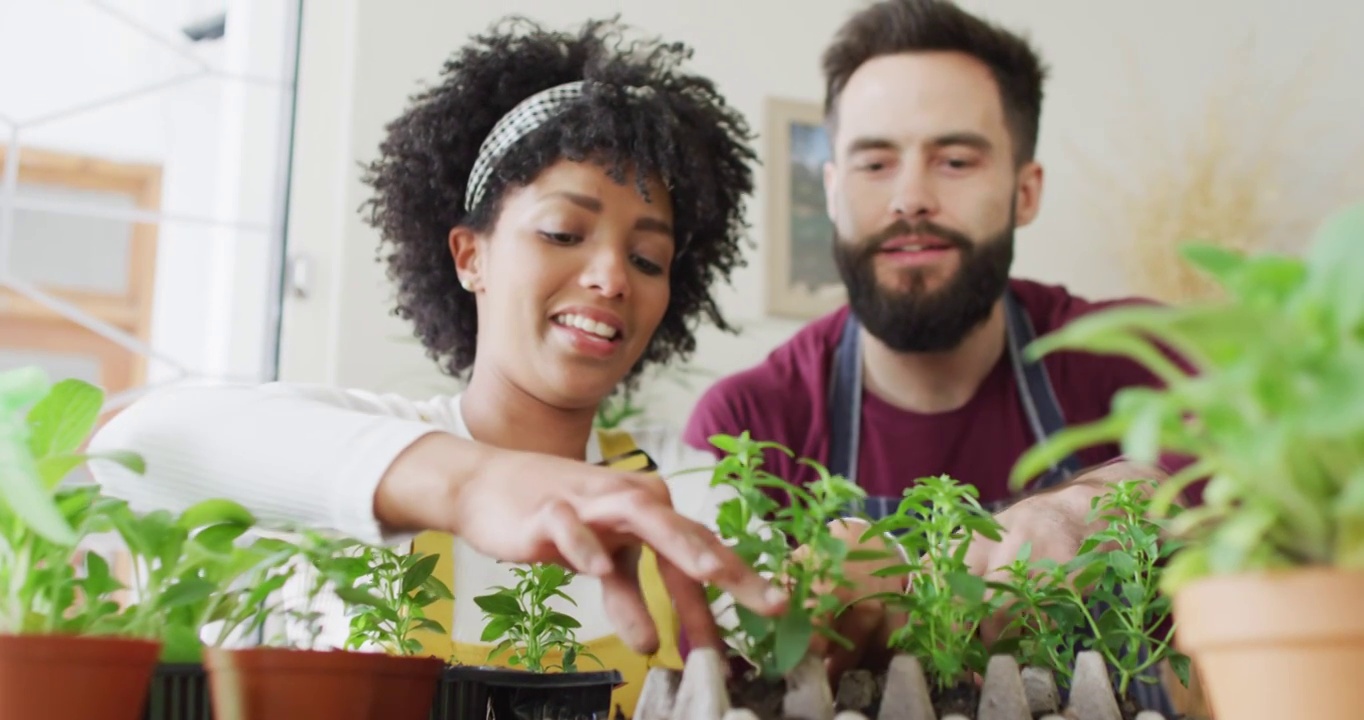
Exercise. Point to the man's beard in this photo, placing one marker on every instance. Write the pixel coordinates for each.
(919, 319)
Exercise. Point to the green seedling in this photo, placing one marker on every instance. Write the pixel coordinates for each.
(523, 625)
(765, 520)
(1108, 598)
(42, 430)
(944, 604)
(403, 585)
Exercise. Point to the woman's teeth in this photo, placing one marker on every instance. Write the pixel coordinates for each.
(601, 330)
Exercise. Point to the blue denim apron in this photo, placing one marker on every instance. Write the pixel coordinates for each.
(1040, 407)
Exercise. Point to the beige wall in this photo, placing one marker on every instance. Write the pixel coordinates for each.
(362, 57)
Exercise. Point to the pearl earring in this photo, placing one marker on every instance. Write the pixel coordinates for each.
(466, 284)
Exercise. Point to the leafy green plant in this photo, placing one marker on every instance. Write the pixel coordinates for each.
(42, 428)
(944, 603)
(1271, 408)
(1044, 619)
(1107, 598)
(190, 572)
(404, 585)
(524, 626)
(765, 521)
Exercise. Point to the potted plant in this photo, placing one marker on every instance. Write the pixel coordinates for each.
(403, 586)
(190, 570)
(1271, 409)
(64, 652)
(541, 651)
(279, 679)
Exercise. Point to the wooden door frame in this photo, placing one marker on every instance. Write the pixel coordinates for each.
(130, 311)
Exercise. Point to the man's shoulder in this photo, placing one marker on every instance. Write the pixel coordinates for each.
(1051, 306)
(787, 384)
(800, 359)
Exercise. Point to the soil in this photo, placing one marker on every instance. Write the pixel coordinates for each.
(962, 698)
(762, 696)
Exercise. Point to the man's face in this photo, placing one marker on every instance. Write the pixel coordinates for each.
(925, 195)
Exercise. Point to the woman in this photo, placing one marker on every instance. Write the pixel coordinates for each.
(555, 212)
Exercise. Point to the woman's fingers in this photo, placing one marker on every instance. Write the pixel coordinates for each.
(574, 540)
(625, 605)
(689, 546)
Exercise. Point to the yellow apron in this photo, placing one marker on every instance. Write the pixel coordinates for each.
(610, 649)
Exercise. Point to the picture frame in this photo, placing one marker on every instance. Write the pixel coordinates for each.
(802, 279)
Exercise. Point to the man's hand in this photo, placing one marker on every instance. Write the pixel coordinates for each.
(1055, 523)
(526, 507)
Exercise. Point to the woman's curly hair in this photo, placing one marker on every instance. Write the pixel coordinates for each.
(682, 131)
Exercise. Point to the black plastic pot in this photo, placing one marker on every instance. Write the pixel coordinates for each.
(179, 691)
(476, 693)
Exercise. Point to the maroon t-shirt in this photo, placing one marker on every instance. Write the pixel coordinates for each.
(785, 399)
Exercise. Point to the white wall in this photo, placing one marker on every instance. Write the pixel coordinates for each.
(361, 58)
(218, 141)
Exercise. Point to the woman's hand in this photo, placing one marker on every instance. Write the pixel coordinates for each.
(527, 507)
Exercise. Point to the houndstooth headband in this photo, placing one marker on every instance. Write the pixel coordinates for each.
(528, 115)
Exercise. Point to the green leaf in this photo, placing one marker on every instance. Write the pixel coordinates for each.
(359, 597)
(498, 604)
(215, 512)
(186, 592)
(1122, 563)
(497, 628)
(793, 633)
(558, 619)
(438, 589)
(1336, 264)
(60, 422)
(23, 491)
(434, 626)
(22, 387)
(419, 572)
(1219, 262)
(966, 586)
(1180, 664)
(219, 538)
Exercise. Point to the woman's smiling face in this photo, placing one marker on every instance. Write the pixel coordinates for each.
(572, 282)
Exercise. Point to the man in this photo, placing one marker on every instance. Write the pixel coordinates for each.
(933, 117)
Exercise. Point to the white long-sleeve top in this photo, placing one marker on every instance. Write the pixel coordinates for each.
(313, 456)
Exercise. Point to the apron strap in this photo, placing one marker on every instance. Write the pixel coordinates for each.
(845, 401)
(1040, 405)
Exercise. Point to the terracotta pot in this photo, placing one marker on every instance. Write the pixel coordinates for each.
(285, 684)
(404, 687)
(71, 677)
(1270, 646)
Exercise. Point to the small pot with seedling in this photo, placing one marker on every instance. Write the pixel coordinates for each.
(403, 586)
(538, 644)
(283, 680)
(182, 566)
(1269, 404)
(65, 650)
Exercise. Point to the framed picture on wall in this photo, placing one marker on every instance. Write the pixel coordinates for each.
(802, 280)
